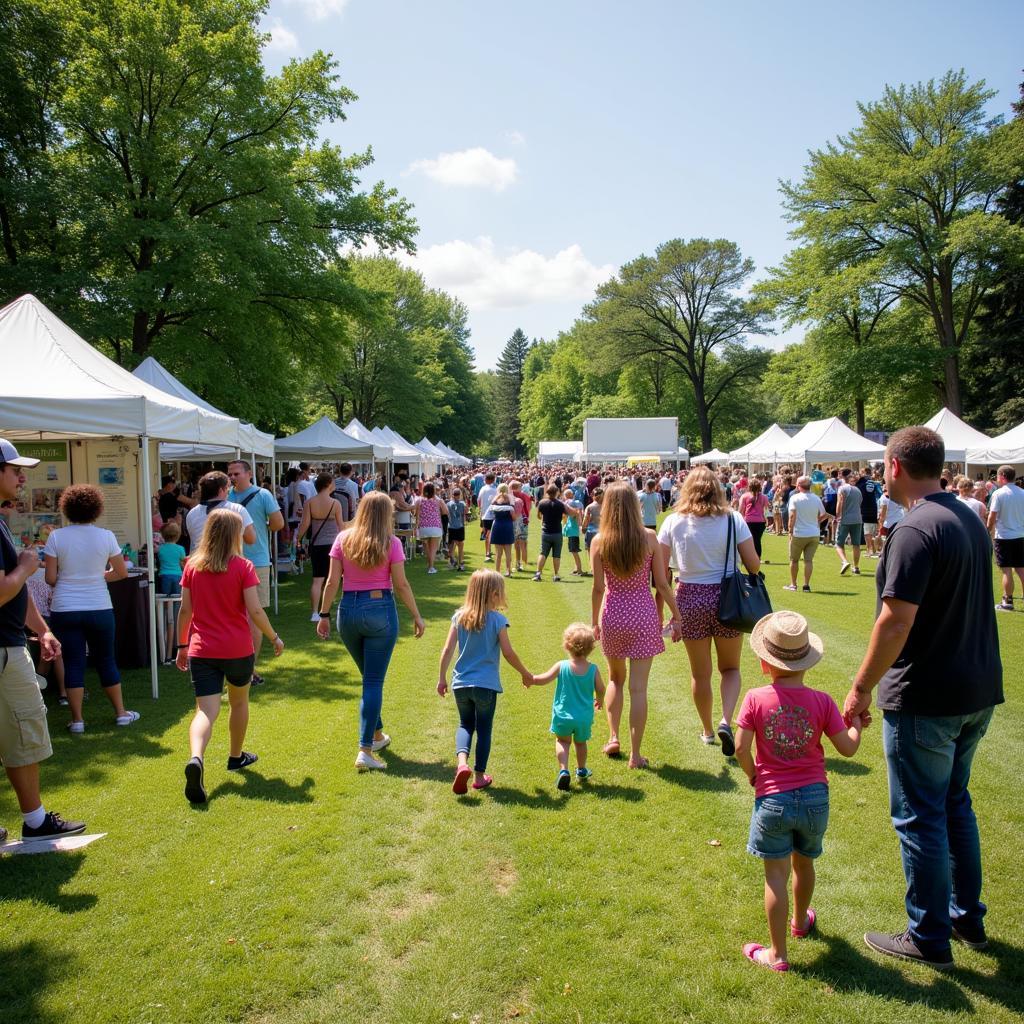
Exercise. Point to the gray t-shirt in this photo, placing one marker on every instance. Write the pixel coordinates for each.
(851, 498)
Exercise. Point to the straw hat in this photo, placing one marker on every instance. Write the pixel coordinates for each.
(783, 640)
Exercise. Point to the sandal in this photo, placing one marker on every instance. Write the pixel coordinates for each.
(461, 783)
(750, 951)
(483, 783)
(639, 762)
(611, 749)
(802, 933)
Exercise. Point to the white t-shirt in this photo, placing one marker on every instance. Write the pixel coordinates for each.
(808, 507)
(1008, 504)
(487, 494)
(307, 489)
(978, 507)
(698, 544)
(195, 521)
(665, 483)
(889, 512)
(82, 552)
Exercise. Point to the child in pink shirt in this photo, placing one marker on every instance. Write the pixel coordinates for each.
(788, 774)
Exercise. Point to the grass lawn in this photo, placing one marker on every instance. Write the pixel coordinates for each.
(305, 892)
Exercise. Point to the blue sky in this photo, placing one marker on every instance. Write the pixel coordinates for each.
(544, 144)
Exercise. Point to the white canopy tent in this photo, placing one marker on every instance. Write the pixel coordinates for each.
(764, 448)
(441, 457)
(712, 456)
(404, 451)
(70, 390)
(829, 440)
(363, 433)
(456, 458)
(325, 441)
(250, 441)
(558, 451)
(956, 435)
(1005, 448)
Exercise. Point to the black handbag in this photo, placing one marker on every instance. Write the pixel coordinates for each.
(743, 600)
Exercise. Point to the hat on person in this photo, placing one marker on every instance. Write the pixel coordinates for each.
(782, 639)
(9, 455)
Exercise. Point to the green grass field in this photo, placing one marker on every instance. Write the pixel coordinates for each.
(305, 892)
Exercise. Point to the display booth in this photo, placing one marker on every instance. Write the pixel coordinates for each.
(707, 458)
(363, 433)
(764, 449)
(551, 452)
(1004, 449)
(406, 454)
(93, 422)
(453, 456)
(829, 440)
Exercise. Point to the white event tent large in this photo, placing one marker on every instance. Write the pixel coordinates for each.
(250, 442)
(404, 451)
(715, 455)
(764, 448)
(453, 455)
(69, 390)
(441, 457)
(829, 440)
(558, 451)
(1004, 448)
(956, 435)
(363, 433)
(325, 441)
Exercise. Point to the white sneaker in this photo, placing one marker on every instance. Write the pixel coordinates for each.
(368, 763)
(128, 718)
(381, 743)
(431, 571)
(789, 586)
(315, 617)
(845, 569)
(76, 727)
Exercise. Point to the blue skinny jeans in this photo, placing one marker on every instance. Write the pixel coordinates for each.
(368, 627)
(476, 706)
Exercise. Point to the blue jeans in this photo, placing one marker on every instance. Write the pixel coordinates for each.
(78, 630)
(929, 761)
(368, 627)
(476, 706)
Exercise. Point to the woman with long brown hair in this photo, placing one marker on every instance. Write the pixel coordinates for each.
(219, 595)
(625, 618)
(321, 517)
(696, 533)
(367, 561)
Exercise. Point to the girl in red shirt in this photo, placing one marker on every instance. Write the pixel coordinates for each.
(218, 597)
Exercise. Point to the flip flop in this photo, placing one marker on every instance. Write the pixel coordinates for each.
(483, 783)
(750, 951)
(611, 749)
(461, 783)
(802, 933)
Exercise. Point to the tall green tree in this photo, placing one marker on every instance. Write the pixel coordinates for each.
(908, 200)
(685, 306)
(510, 374)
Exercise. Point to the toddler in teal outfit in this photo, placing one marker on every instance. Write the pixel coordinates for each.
(572, 713)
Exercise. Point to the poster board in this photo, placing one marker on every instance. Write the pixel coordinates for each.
(36, 512)
(113, 465)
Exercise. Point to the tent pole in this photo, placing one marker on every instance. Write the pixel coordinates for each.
(147, 502)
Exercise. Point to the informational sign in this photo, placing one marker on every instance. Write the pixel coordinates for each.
(36, 512)
(113, 467)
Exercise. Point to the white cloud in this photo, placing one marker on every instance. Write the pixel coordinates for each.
(485, 278)
(515, 138)
(318, 10)
(473, 168)
(282, 38)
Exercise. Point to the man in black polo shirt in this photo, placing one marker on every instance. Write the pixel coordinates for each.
(935, 650)
(24, 738)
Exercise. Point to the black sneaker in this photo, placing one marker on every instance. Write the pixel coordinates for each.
(807, 588)
(243, 761)
(257, 679)
(53, 827)
(195, 792)
(902, 945)
(726, 738)
(971, 935)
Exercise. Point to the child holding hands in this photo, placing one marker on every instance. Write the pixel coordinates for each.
(572, 713)
(480, 631)
(791, 803)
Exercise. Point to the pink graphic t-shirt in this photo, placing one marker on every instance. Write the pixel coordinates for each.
(788, 722)
(355, 577)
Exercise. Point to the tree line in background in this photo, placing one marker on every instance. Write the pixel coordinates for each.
(167, 196)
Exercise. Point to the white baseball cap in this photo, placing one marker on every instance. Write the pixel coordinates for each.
(9, 455)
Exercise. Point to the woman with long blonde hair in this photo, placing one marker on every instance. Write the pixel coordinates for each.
(219, 595)
(696, 533)
(367, 562)
(624, 615)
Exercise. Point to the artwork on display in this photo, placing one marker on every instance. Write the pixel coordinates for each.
(114, 467)
(36, 512)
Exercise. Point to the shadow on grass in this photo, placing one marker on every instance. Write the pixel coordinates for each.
(40, 877)
(27, 971)
(696, 778)
(1006, 985)
(844, 766)
(432, 771)
(254, 786)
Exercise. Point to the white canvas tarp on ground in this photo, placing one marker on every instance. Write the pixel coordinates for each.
(1007, 447)
(324, 441)
(363, 433)
(830, 440)
(558, 451)
(764, 448)
(956, 435)
(251, 441)
(712, 456)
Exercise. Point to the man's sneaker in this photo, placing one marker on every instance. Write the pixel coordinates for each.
(1004, 606)
(972, 936)
(845, 569)
(556, 579)
(79, 727)
(53, 827)
(902, 945)
(856, 570)
(536, 577)
(789, 586)
(195, 792)
(243, 760)
(583, 773)
(807, 588)
(368, 763)
(727, 740)
(381, 743)
(563, 781)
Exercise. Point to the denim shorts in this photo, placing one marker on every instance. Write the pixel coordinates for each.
(784, 822)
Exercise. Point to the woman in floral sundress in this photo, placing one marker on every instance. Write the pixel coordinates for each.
(625, 618)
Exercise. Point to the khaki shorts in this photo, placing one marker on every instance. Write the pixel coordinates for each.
(24, 738)
(805, 546)
(870, 529)
(263, 590)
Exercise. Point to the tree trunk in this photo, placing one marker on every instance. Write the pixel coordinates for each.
(859, 411)
(703, 422)
(140, 332)
(951, 368)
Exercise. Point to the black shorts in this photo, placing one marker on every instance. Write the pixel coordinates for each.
(574, 545)
(208, 674)
(320, 556)
(551, 544)
(456, 533)
(1010, 553)
(485, 525)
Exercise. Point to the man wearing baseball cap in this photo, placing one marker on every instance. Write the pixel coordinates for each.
(24, 737)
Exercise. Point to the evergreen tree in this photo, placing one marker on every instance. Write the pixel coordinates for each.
(508, 389)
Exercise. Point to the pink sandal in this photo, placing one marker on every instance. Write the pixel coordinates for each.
(461, 783)
(611, 748)
(483, 783)
(802, 933)
(750, 951)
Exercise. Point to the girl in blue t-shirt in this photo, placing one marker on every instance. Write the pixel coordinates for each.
(579, 690)
(481, 633)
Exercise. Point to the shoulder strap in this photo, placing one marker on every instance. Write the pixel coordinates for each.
(730, 546)
(245, 501)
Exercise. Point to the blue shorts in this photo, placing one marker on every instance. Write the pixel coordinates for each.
(784, 822)
(579, 731)
(852, 532)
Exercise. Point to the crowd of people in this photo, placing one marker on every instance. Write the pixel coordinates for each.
(933, 649)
